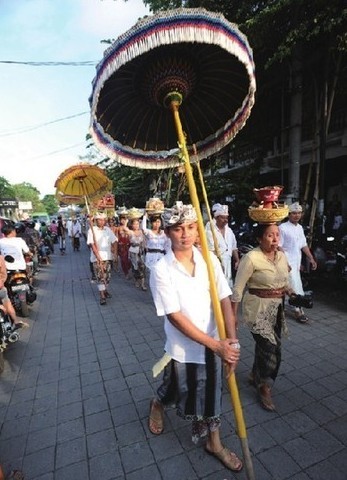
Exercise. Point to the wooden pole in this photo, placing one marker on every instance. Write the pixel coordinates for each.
(175, 102)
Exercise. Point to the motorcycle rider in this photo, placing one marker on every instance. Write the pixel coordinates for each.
(33, 242)
(6, 302)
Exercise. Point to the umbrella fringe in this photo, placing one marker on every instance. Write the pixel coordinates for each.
(167, 28)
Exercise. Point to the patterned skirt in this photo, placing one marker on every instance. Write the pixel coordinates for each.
(196, 392)
(102, 272)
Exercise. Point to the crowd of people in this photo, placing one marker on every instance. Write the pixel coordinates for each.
(162, 250)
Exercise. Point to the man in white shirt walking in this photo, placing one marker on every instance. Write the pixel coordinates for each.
(293, 243)
(226, 241)
(103, 248)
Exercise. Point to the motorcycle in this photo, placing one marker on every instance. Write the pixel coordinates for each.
(341, 258)
(7, 335)
(20, 292)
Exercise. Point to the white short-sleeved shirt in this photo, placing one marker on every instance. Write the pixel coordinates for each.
(174, 290)
(104, 238)
(292, 240)
(226, 243)
(14, 246)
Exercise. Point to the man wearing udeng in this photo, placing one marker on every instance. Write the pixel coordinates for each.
(194, 353)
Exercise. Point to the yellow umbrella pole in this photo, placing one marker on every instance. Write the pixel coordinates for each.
(175, 100)
(212, 225)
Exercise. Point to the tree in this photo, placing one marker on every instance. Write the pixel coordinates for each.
(6, 189)
(50, 203)
(26, 192)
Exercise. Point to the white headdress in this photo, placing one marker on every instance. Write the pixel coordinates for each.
(179, 213)
(219, 209)
(295, 207)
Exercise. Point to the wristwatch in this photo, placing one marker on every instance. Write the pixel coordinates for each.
(236, 345)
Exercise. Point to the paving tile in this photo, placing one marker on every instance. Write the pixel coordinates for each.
(101, 442)
(41, 439)
(39, 463)
(278, 463)
(70, 452)
(95, 404)
(106, 467)
(135, 456)
(77, 471)
(70, 430)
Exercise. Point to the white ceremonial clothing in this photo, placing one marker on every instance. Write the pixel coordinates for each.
(226, 244)
(174, 290)
(104, 238)
(14, 246)
(292, 240)
(76, 230)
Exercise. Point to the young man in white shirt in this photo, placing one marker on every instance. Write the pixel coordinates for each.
(194, 353)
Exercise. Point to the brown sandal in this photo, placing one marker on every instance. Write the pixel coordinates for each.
(156, 417)
(228, 458)
(265, 398)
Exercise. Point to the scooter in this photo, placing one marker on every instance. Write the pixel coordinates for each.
(7, 335)
(20, 292)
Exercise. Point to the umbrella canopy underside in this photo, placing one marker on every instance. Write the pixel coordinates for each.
(191, 51)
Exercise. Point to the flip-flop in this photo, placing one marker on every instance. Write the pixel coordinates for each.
(228, 458)
(156, 417)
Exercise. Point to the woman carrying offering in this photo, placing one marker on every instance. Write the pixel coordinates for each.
(157, 243)
(265, 273)
(122, 232)
(136, 253)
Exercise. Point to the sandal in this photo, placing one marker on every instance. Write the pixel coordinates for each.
(156, 417)
(15, 475)
(20, 324)
(102, 301)
(301, 318)
(265, 398)
(228, 458)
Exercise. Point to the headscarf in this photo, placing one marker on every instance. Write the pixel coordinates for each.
(295, 207)
(178, 214)
(219, 209)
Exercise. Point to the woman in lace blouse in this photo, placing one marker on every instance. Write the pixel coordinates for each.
(261, 282)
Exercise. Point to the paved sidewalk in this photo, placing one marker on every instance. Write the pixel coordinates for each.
(75, 392)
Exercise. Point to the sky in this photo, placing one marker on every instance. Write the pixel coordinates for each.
(44, 110)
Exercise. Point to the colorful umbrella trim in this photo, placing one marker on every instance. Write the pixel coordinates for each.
(187, 26)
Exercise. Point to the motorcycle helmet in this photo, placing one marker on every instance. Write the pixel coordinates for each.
(31, 224)
(20, 228)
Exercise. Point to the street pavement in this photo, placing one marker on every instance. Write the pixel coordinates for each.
(74, 396)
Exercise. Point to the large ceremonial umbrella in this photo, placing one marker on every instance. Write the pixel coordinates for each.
(185, 66)
(83, 181)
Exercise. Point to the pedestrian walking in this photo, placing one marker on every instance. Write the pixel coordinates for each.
(194, 353)
(103, 249)
(261, 282)
(293, 243)
(226, 241)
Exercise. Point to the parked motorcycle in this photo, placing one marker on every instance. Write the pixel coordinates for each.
(7, 335)
(20, 292)
(341, 258)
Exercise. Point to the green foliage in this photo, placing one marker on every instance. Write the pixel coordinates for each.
(26, 192)
(6, 189)
(50, 203)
